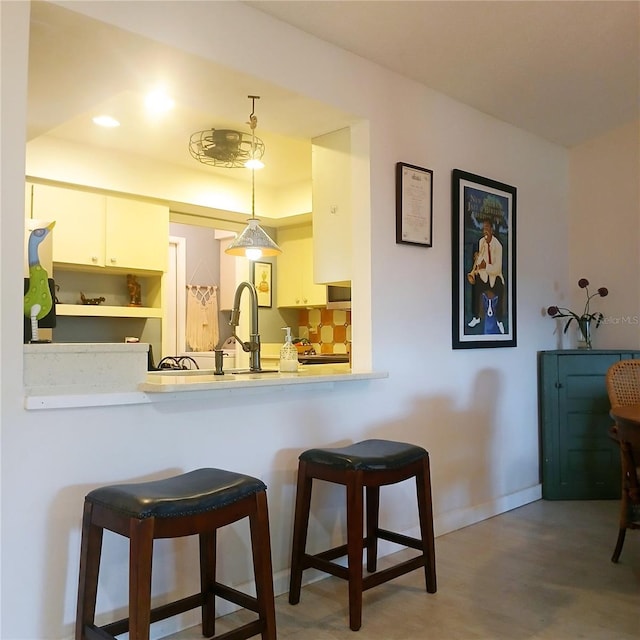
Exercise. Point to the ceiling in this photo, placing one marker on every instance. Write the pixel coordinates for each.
(566, 71)
(79, 68)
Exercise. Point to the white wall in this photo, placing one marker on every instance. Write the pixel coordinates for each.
(474, 410)
(604, 231)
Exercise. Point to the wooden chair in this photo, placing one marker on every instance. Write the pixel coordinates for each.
(366, 465)
(194, 503)
(623, 388)
(629, 440)
(623, 383)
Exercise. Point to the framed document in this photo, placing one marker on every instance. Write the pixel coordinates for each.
(414, 202)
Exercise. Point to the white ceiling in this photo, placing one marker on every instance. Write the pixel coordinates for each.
(566, 71)
(79, 68)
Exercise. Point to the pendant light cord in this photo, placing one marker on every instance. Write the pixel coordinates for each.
(253, 194)
(253, 121)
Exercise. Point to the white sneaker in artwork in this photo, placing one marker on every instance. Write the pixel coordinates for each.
(501, 327)
(474, 322)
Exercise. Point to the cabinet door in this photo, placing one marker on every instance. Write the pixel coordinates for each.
(289, 268)
(331, 176)
(296, 287)
(78, 237)
(311, 294)
(137, 235)
(580, 461)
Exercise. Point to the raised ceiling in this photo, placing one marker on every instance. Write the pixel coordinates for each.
(79, 68)
(566, 71)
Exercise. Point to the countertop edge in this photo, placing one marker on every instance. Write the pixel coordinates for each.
(149, 392)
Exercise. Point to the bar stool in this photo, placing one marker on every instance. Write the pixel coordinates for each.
(198, 502)
(369, 464)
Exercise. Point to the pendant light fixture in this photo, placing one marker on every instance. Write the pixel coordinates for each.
(254, 242)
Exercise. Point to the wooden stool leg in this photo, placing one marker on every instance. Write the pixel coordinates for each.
(207, 580)
(373, 510)
(263, 572)
(90, 551)
(619, 543)
(140, 560)
(300, 528)
(425, 514)
(355, 535)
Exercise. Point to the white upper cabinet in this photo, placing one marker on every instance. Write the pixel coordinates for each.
(136, 235)
(103, 231)
(296, 286)
(332, 202)
(78, 237)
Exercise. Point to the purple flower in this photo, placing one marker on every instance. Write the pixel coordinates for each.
(562, 312)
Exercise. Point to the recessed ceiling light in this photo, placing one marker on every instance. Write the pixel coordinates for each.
(157, 101)
(254, 163)
(106, 121)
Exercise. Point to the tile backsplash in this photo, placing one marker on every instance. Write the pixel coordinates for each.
(328, 330)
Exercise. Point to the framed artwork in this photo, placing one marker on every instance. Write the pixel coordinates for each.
(484, 262)
(414, 205)
(262, 282)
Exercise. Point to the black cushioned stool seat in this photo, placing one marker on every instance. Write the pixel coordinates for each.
(365, 465)
(194, 503)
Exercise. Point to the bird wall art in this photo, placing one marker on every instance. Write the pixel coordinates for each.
(38, 300)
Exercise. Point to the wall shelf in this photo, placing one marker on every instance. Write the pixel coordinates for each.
(107, 311)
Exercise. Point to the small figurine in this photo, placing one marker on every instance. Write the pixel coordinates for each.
(94, 301)
(135, 298)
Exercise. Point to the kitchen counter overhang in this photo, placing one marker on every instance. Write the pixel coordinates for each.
(85, 375)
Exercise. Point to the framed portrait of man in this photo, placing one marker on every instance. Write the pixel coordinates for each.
(484, 262)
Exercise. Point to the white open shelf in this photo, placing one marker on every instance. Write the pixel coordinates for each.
(107, 311)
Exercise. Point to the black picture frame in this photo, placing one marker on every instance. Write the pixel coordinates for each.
(262, 278)
(484, 273)
(414, 205)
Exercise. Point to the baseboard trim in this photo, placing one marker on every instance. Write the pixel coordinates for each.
(460, 518)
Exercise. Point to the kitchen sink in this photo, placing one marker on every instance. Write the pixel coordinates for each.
(244, 371)
(182, 372)
(205, 372)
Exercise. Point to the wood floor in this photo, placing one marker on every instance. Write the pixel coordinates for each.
(540, 572)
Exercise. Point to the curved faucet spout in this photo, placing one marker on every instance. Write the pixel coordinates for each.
(253, 346)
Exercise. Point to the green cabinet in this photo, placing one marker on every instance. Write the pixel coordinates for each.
(578, 459)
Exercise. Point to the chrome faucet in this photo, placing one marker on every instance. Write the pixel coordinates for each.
(253, 345)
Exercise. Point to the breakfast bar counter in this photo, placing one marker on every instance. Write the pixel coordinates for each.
(60, 376)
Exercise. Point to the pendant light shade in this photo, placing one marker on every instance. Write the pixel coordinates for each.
(254, 242)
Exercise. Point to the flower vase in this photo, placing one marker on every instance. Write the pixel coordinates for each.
(584, 337)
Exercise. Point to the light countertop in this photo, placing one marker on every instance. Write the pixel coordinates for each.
(91, 375)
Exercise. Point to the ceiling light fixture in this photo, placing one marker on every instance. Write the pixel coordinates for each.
(158, 102)
(227, 147)
(253, 242)
(106, 121)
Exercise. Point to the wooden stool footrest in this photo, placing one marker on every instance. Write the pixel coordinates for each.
(374, 579)
(316, 562)
(162, 612)
(398, 538)
(237, 597)
(242, 633)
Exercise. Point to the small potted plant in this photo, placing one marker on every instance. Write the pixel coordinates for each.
(587, 319)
